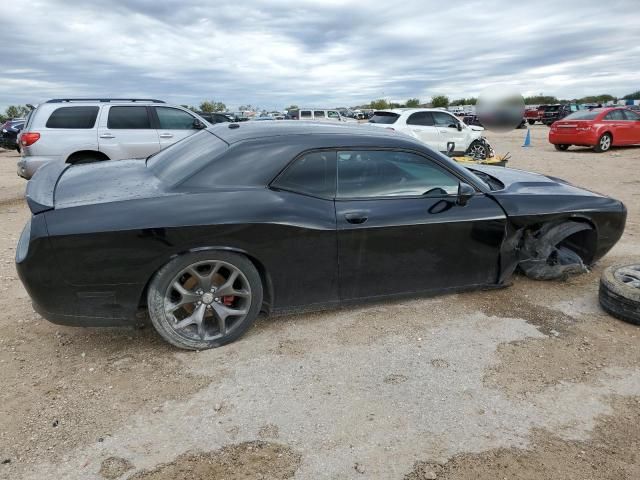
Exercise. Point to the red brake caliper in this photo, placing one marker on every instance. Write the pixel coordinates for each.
(228, 300)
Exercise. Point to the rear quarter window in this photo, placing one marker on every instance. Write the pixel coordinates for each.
(386, 118)
(73, 117)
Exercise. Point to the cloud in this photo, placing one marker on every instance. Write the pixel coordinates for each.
(273, 53)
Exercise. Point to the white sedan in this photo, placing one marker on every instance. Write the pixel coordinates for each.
(437, 128)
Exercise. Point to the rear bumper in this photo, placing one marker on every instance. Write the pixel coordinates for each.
(584, 138)
(27, 166)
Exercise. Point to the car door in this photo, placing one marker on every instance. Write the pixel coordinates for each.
(633, 122)
(173, 125)
(125, 131)
(619, 127)
(422, 126)
(447, 126)
(402, 229)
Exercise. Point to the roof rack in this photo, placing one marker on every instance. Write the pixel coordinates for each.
(64, 100)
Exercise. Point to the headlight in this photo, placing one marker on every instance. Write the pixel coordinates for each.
(23, 244)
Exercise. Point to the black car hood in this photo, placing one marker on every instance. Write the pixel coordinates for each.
(105, 182)
(528, 183)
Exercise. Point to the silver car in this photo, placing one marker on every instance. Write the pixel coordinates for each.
(87, 130)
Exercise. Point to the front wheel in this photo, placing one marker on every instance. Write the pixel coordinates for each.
(604, 143)
(531, 122)
(204, 300)
(562, 147)
(478, 150)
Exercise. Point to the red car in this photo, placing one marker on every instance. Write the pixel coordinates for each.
(600, 128)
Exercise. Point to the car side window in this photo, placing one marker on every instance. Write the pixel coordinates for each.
(444, 120)
(73, 117)
(312, 174)
(386, 173)
(421, 118)
(318, 114)
(615, 115)
(633, 116)
(174, 119)
(305, 114)
(332, 114)
(134, 118)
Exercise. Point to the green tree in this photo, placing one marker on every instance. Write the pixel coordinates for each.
(440, 101)
(244, 108)
(190, 107)
(458, 101)
(413, 102)
(632, 96)
(291, 107)
(212, 106)
(379, 104)
(540, 100)
(471, 101)
(16, 111)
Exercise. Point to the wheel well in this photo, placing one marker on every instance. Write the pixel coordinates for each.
(610, 134)
(267, 286)
(75, 156)
(583, 243)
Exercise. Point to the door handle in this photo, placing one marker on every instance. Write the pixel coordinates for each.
(107, 135)
(166, 135)
(356, 218)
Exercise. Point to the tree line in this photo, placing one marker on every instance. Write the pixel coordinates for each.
(438, 101)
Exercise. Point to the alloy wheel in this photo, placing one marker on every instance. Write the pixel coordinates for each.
(605, 142)
(629, 275)
(207, 300)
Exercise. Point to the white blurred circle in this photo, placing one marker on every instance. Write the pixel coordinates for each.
(500, 108)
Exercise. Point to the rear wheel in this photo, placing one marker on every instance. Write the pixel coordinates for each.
(205, 299)
(531, 122)
(562, 147)
(604, 143)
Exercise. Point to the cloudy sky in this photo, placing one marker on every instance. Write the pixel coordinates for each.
(314, 53)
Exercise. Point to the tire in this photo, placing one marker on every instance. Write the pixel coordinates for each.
(604, 143)
(531, 122)
(562, 147)
(478, 147)
(180, 327)
(620, 298)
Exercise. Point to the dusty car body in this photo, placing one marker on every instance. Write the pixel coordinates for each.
(101, 233)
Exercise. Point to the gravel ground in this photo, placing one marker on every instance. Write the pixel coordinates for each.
(531, 381)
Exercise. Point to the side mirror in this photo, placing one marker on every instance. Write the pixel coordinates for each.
(198, 125)
(465, 192)
(459, 125)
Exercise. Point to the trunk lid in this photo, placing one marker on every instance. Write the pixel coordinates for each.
(41, 188)
(106, 182)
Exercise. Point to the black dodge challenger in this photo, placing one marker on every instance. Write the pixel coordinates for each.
(272, 217)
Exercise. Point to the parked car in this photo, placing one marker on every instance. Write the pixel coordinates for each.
(475, 120)
(9, 134)
(278, 216)
(553, 113)
(318, 114)
(533, 115)
(600, 128)
(436, 128)
(215, 117)
(87, 130)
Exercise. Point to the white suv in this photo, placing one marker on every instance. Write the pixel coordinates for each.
(87, 130)
(437, 128)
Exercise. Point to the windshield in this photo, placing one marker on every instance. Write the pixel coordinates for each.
(552, 108)
(583, 115)
(384, 117)
(179, 161)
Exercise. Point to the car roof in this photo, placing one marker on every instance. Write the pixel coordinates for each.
(237, 132)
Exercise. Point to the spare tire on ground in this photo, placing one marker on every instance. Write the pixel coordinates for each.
(620, 292)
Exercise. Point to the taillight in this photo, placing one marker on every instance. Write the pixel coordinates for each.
(29, 138)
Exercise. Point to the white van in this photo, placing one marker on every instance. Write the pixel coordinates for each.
(318, 114)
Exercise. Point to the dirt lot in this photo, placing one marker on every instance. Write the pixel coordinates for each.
(532, 381)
